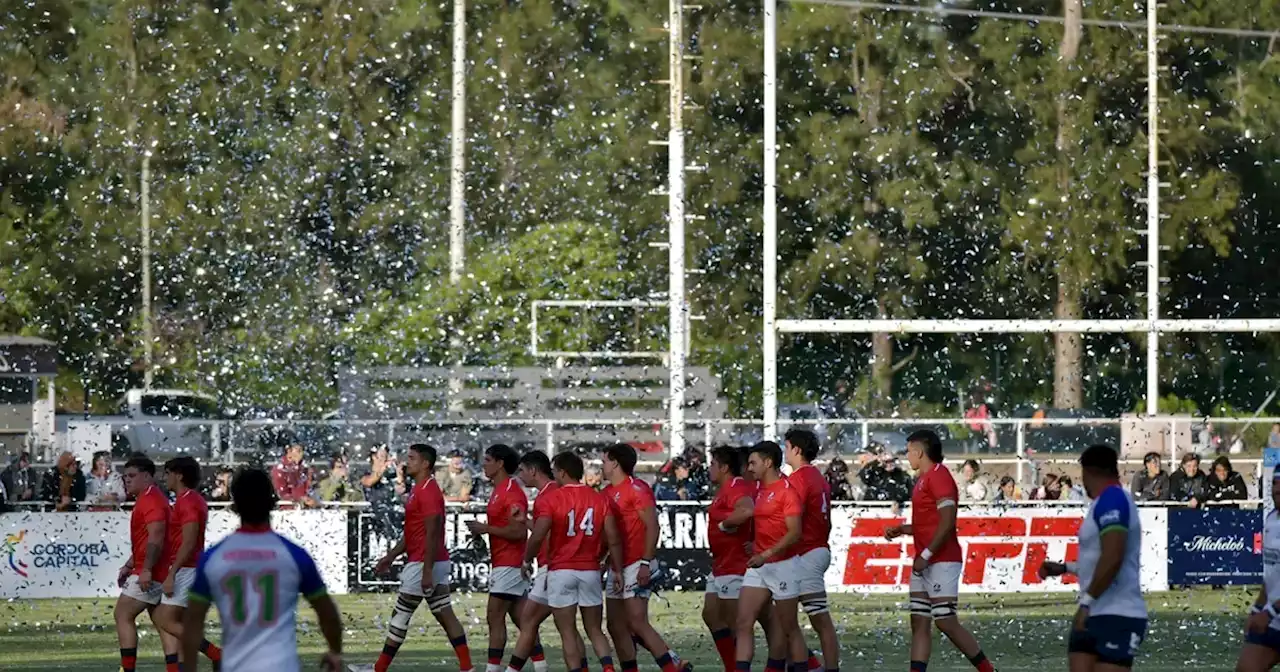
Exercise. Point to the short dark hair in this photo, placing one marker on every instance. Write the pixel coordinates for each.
(806, 441)
(1222, 460)
(972, 464)
(186, 468)
(1102, 459)
(932, 444)
(252, 496)
(99, 455)
(506, 455)
(1007, 480)
(538, 461)
(141, 463)
(1151, 457)
(769, 450)
(624, 455)
(730, 457)
(427, 452)
(336, 457)
(570, 464)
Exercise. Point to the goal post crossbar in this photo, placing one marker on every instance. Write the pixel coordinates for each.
(962, 326)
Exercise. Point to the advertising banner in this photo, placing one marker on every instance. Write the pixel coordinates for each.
(1215, 546)
(78, 555)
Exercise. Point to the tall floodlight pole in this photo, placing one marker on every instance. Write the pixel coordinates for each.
(677, 304)
(1153, 211)
(147, 335)
(770, 219)
(457, 177)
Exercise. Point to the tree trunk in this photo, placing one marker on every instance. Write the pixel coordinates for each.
(1068, 349)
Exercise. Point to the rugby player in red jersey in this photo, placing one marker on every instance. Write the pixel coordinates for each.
(535, 472)
(506, 524)
(729, 533)
(636, 510)
(427, 569)
(141, 576)
(935, 574)
(772, 570)
(813, 554)
(579, 525)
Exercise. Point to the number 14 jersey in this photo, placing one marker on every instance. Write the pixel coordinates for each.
(577, 516)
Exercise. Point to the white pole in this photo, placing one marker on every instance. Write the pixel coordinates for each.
(770, 219)
(458, 143)
(1153, 212)
(147, 335)
(677, 306)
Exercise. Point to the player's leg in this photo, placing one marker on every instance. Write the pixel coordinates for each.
(535, 613)
(751, 601)
(527, 608)
(921, 624)
(563, 591)
(593, 624)
(131, 603)
(620, 630)
(170, 644)
(775, 643)
(942, 582)
(813, 599)
(496, 611)
(713, 615)
(440, 603)
(1256, 657)
(407, 600)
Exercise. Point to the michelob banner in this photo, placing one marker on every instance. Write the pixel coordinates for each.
(1215, 546)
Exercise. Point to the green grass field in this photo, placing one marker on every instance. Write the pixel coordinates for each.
(1197, 629)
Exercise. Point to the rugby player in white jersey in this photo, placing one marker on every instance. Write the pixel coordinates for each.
(1111, 620)
(1261, 649)
(254, 576)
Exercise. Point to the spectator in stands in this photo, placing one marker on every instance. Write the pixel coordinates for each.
(1273, 439)
(1050, 489)
(293, 480)
(975, 485)
(699, 480)
(383, 487)
(1224, 484)
(593, 478)
(1187, 485)
(1009, 491)
(20, 479)
(104, 488)
(221, 488)
(64, 484)
(672, 481)
(458, 479)
(838, 480)
(884, 479)
(1151, 484)
(1072, 492)
(336, 486)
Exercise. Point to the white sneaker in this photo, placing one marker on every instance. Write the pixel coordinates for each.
(359, 668)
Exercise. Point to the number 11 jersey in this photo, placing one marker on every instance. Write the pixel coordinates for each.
(577, 516)
(254, 577)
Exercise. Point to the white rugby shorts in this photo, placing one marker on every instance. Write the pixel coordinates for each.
(725, 587)
(538, 586)
(411, 577)
(507, 581)
(940, 579)
(131, 589)
(779, 578)
(574, 587)
(630, 583)
(811, 571)
(182, 582)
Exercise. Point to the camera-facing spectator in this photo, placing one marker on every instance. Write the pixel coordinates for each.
(1187, 485)
(292, 479)
(975, 485)
(593, 478)
(64, 484)
(220, 490)
(104, 488)
(698, 482)
(458, 481)
(20, 479)
(883, 478)
(1072, 492)
(1008, 491)
(336, 485)
(837, 475)
(1151, 484)
(1224, 484)
(383, 487)
(1050, 489)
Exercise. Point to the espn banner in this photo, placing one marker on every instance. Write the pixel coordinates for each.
(79, 554)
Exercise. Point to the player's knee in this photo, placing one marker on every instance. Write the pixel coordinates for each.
(921, 607)
(944, 615)
(438, 602)
(815, 606)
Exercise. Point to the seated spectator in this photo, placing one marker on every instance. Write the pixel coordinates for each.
(1072, 492)
(458, 479)
(883, 479)
(593, 478)
(104, 488)
(336, 487)
(1224, 484)
(1151, 484)
(292, 479)
(669, 486)
(1188, 484)
(975, 486)
(64, 484)
(19, 479)
(837, 475)
(221, 489)
(1009, 491)
(699, 480)
(1050, 489)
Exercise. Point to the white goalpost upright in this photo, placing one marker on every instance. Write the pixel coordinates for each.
(1152, 325)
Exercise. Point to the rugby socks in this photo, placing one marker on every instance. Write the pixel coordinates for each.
(980, 662)
(742, 666)
(774, 665)
(802, 666)
(919, 666)
(606, 663)
(171, 662)
(388, 654)
(812, 664)
(630, 666)
(585, 666)
(128, 659)
(516, 664)
(495, 661)
(463, 652)
(213, 653)
(725, 646)
(665, 663)
(539, 658)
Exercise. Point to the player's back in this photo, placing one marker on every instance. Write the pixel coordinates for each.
(628, 500)
(254, 577)
(815, 497)
(577, 527)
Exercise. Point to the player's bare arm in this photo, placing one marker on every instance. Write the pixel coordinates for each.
(190, 533)
(897, 531)
(787, 541)
(946, 529)
(613, 539)
(516, 529)
(155, 547)
(331, 627)
(384, 565)
(649, 516)
(1259, 619)
(193, 629)
(1113, 542)
(433, 525)
(541, 527)
(743, 510)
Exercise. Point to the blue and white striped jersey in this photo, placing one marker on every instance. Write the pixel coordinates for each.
(254, 576)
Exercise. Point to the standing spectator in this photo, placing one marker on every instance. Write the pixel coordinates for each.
(458, 479)
(975, 485)
(292, 479)
(1224, 484)
(667, 486)
(64, 484)
(699, 480)
(884, 478)
(336, 487)
(1050, 489)
(1273, 439)
(1151, 484)
(104, 488)
(1188, 484)
(383, 486)
(837, 476)
(594, 478)
(1009, 491)
(221, 490)
(20, 479)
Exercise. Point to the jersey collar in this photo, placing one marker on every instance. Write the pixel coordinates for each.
(255, 529)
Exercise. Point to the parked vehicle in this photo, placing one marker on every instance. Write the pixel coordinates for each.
(163, 423)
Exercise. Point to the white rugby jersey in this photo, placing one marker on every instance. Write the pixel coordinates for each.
(1271, 559)
(1113, 510)
(254, 576)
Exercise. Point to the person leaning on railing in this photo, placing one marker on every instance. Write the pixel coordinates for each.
(1187, 485)
(64, 484)
(104, 488)
(1224, 484)
(336, 486)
